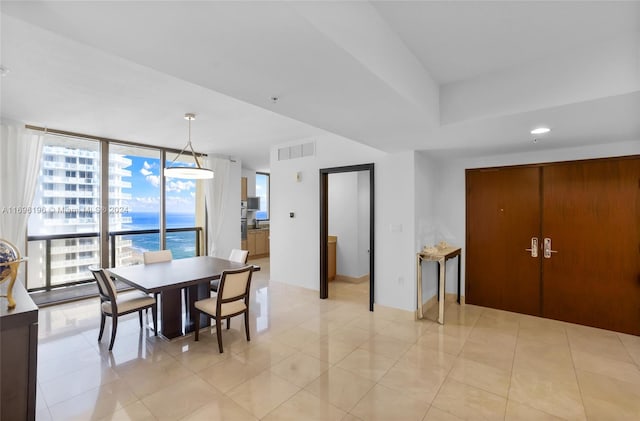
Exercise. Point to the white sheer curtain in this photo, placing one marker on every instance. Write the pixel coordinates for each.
(214, 197)
(20, 152)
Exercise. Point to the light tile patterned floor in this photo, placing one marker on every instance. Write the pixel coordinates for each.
(312, 359)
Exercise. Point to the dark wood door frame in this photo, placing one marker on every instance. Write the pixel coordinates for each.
(324, 225)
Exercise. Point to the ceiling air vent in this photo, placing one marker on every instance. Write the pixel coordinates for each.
(296, 151)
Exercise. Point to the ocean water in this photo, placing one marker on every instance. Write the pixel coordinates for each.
(181, 244)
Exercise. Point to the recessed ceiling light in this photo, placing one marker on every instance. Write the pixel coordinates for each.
(3, 71)
(540, 130)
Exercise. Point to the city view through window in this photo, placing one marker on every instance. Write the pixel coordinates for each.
(64, 224)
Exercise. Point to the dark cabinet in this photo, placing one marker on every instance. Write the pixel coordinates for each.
(18, 356)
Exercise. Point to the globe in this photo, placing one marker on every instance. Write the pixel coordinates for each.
(8, 254)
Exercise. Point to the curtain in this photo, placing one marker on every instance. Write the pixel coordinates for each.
(20, 154)
(214, 197)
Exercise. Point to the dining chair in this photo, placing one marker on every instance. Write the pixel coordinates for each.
(157, 256)
(231, 300)
(236, 255)
(114, 305)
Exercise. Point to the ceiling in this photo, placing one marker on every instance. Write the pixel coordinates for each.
(448, 77)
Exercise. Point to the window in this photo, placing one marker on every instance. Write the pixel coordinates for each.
(262, 191)
(70, 228)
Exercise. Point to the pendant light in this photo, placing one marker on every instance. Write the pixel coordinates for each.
(197, 172)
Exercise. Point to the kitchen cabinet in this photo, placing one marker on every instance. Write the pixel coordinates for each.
(243, 189)
(258, 242)
(331, 257)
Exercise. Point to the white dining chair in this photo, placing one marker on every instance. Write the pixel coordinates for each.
(236, 255)
(231, 300)
(114, 305)
(157, 256)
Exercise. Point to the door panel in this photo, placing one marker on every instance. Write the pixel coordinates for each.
(503, 213)
(591, 212)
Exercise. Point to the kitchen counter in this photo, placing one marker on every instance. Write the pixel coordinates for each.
(258, 229)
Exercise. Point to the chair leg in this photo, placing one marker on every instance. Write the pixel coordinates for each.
(196, 316)
(246, 324)
(102, 320)
(219, 333)
(154, 309)
(228, 322)
(140, 317)
(114, 328)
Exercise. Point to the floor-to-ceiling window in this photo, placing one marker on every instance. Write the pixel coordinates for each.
(64, 223)
(64, 234)
(180, 210)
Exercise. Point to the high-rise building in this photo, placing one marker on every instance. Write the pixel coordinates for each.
(67, 201)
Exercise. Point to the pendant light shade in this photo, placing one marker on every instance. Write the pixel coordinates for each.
(197, 172)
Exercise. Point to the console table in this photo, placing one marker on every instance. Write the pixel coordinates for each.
(18, 356)
(440, 256)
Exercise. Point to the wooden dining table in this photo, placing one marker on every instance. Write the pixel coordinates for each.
(170, 279)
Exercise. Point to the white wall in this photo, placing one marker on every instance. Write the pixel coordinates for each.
(343, 220)
(348, 216)
(295, 241)
(363, 223)
(251, 181)
(428, 230)
(450, 203)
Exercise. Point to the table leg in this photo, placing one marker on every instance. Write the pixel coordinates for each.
(193, 294)
(171, 313)
(441, 284)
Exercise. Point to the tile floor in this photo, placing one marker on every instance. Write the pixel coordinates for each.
(312, 359)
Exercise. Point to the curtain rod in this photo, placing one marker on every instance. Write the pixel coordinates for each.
(102, 139)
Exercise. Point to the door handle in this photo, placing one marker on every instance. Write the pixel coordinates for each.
(534, 247)
(547, 248)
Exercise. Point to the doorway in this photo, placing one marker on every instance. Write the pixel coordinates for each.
(324, 226)
(560, 240)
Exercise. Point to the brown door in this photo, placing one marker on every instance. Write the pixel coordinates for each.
(503, 214)
(591, 213)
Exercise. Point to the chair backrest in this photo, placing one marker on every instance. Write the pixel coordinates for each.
(106, 287)
(157, 256)
(235, 284)
(239, 256)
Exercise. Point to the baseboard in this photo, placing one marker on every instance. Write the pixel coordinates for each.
(351, 279)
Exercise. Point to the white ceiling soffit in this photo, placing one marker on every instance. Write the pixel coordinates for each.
(369, 70)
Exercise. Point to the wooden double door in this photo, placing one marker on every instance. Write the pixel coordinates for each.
(560, 240)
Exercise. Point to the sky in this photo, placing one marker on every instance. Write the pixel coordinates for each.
(145, 188)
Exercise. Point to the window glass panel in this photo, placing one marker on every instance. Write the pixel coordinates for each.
(134, 201)
(180, 197)
(56, 200)
(262, 191)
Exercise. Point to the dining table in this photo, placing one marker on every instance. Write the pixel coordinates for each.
(171, 280)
